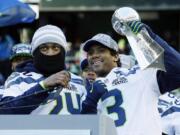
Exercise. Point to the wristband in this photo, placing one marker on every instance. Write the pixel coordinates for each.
(42, 85)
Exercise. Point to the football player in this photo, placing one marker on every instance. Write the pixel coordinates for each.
(129, 96)
(43, 86)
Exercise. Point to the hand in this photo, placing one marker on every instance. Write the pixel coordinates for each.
(136, 26)
(99, 87)
(61, 78)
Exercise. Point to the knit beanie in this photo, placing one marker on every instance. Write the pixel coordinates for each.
(21, 50)
(48, 34)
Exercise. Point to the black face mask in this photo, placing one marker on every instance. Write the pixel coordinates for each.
(48, 65)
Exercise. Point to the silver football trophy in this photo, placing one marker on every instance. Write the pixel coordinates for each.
(146, 50)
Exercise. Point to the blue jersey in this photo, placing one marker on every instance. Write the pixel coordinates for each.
(130, 96)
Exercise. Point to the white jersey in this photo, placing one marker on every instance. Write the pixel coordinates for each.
(136, 109)
(18, 83)
(60, 101)
(169, 109)
(67, 101)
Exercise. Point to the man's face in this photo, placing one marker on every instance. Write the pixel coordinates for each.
(87, 73)
(18, 60)
(101, 60)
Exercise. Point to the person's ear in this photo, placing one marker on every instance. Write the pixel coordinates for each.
(116, 58)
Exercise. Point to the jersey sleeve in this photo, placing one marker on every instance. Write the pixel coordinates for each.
(21, 94)
(89, 105)
(24, 103)
(169, 80)
(169, 109)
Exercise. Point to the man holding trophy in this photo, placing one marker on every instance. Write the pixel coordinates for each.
(130, 96)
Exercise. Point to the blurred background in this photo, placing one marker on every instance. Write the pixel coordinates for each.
(82, 19)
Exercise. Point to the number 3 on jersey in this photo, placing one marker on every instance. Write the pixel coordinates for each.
(114, 97)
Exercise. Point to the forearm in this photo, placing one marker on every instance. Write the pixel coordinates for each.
(171, 57)
(170, 79)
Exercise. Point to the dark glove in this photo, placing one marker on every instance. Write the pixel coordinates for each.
(137, 26)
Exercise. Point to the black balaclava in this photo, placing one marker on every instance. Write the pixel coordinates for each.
(48, 65)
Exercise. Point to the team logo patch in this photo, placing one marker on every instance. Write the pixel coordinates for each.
(119, 80)
(72, 87)
(106, 81)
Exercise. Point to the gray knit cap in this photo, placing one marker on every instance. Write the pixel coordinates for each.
(103, 39)
(48, 34)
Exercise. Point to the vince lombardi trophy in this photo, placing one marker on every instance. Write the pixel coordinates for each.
(146, 50)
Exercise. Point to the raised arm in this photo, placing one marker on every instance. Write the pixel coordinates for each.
(170, 79)
(25, 103)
